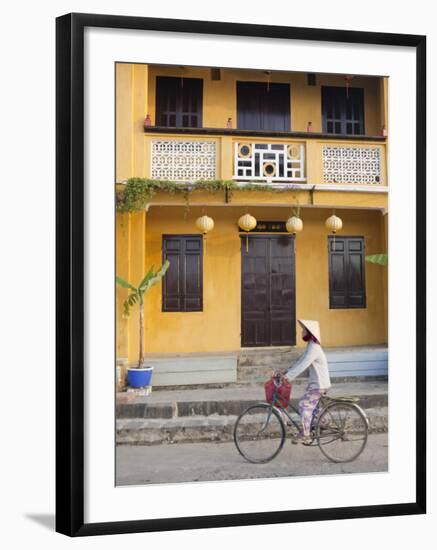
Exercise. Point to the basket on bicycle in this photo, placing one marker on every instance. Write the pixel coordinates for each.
(278, 390)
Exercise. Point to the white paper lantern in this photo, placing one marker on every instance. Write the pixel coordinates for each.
(205, 224)
(247, 222)
(334, 224)
(294, 225)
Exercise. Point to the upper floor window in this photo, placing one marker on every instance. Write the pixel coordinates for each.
(343, 110)
(179, 102)
(263, 106)
(347, 283)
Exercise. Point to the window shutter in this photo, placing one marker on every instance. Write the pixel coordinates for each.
(182, 286)
(172, 283)
(343, 112)
(179, 102)
(192, 283)
(337, 273)
(346, 273)
(355, 274)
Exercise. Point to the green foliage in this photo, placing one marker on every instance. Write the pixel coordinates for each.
(380, 259)
(136, 296)
(137, 293)
(138, 192)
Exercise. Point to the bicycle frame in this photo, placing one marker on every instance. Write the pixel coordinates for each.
(319, 408)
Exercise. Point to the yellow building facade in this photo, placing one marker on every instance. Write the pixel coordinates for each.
(312, 170)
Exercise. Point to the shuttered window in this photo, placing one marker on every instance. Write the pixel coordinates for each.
(347, 286)
(343, 110)
(179, 102)
(182, 287)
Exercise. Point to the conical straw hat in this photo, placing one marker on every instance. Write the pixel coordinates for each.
(311, 326)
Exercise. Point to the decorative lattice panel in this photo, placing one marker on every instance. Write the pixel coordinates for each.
(352, 165)
(178, 160)
(272, 162)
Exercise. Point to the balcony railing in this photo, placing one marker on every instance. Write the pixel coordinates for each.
(269, 162)
(351, 162)
(183, 160)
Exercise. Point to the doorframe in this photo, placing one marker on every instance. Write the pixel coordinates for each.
(292, 237)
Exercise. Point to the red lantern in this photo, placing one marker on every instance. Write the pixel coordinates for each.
(147, 121)
(347, 80)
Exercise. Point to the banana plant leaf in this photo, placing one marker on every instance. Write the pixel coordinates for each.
(124, 283)
(381, 259)
(157, 277)
(147, 278)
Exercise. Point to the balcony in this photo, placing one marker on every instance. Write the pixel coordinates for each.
(298, 159)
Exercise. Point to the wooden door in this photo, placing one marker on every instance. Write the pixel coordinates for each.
(263, 108)
(268, 316)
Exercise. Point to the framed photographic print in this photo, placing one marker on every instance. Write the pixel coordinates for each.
(240, 274)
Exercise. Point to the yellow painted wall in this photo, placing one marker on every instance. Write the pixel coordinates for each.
(139, 236)
(220, 97)
(131, 265)
(131, 103)
(217, 328)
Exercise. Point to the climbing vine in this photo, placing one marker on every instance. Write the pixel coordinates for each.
(138, 192)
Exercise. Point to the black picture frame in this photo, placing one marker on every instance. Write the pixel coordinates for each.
(70, 273)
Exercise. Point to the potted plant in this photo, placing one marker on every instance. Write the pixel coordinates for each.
(140, 375)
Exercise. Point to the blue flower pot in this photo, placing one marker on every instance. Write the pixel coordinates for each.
(138, 378)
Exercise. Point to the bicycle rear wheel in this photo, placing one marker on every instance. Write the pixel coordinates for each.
(259, 433)
(342, 431)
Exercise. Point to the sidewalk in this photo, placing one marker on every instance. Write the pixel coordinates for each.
(209, 414)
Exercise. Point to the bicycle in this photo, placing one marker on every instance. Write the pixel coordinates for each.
(338, 426)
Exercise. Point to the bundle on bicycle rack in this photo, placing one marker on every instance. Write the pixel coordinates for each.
(278, 390)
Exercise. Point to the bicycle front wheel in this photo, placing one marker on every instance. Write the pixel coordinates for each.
(342, 432)
(259, 433)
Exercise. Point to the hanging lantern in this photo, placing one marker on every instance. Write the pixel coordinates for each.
(294, 225)
(205, 224)
(348, 79)
(268, 73)
(247, 223)
(334, 224)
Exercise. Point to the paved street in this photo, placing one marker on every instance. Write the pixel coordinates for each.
(137, 465)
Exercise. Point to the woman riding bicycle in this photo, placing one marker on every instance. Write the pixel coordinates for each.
(315, 360)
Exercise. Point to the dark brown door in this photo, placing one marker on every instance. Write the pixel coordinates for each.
(263, 107)
(268, 291)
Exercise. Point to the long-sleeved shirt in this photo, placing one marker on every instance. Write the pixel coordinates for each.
(313, 358)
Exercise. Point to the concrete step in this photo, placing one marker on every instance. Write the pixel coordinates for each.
(231, 400)
(212, 407)
(171, 416)
(195, 429)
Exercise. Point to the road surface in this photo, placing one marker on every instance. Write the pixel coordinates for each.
(183, 462)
